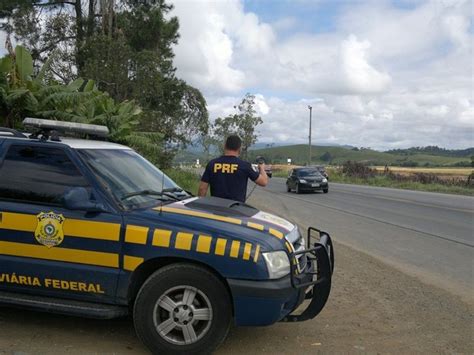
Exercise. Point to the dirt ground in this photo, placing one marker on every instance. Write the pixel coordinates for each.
(373, 308)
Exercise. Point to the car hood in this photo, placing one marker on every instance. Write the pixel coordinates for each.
(312, 178)
(231, 218)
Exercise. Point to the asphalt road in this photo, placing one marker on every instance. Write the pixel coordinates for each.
(428, 235)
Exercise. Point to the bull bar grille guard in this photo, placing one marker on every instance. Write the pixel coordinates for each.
(322, 253)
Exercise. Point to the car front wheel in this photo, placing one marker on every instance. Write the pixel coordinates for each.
(326, 191)
(298, 189)
(182, 309)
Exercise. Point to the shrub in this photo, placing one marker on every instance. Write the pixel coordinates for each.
(356, 169)
(409, 163)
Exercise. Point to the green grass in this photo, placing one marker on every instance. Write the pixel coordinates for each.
(384, 181)
(280, 173)
(185, 179)
(299, 155)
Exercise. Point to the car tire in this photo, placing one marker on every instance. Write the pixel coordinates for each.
(326, 191)
(297, 189)
(168, 303)
(288, 188)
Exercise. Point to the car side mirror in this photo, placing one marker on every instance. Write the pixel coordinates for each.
(77, 198)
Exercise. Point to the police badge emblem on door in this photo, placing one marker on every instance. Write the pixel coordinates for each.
(49, 230)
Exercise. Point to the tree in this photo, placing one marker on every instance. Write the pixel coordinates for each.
(125, 47)
(242, 123)
(326, 157)
(207, 142)
(24, 94)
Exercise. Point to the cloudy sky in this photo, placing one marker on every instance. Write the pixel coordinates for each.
(381, 74)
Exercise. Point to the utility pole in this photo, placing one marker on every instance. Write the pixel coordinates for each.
(310, 118)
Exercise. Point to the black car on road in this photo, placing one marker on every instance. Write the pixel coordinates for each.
(306, 179)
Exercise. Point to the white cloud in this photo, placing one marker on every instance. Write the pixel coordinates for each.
(3, 37)
(261, 105)
(360, 75)
(384, 77)
(205, 52)
(211, 33)
(224, 48)
(284, 24)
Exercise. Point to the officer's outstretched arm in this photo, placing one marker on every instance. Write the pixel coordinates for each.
(262, 179)
(202, 190)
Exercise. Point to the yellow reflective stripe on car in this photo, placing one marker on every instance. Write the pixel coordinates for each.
(253, 225)
(220, 246)
(92, 229)
(234, 249)
(130, 263)
(183, 241)
(199, 214)
(258, 226)
(247, 251)
(257, 253)
(72, 227)
(60, 254)
(204, 244)
(18, 222)
(136, 234)
(161, 238)
(275, 233)
(291, 250)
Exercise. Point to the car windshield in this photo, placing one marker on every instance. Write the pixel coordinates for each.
(130, 178)
(308, 172)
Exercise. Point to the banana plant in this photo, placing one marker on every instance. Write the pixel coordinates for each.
(24, 94)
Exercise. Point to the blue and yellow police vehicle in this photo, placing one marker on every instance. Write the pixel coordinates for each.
(90, 228)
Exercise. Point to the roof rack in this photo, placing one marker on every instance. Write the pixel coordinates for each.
(10, 132)
(49, 129)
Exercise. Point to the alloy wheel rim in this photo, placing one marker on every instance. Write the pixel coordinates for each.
(182, 315)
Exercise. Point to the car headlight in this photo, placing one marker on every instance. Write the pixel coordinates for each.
(278, 264)
(325, 180)
(303, 181)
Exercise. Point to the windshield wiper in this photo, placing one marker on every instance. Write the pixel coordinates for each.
(179, 190)
(172, 189)
(150, 192)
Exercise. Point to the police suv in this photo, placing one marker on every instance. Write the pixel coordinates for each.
(90, 228)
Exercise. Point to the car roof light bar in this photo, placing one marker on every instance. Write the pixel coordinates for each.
(65, 127)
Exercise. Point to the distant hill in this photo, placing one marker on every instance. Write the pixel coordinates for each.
(263, 145)
(338, 155)
(434, 150)
(188, 157)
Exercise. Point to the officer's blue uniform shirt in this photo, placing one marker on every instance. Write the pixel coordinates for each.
(227, 177)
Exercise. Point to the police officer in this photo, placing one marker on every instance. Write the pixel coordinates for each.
(228, 174)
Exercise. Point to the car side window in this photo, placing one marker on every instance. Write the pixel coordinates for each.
(37, 174)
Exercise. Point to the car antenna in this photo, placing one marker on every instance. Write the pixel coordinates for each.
(162, 188)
